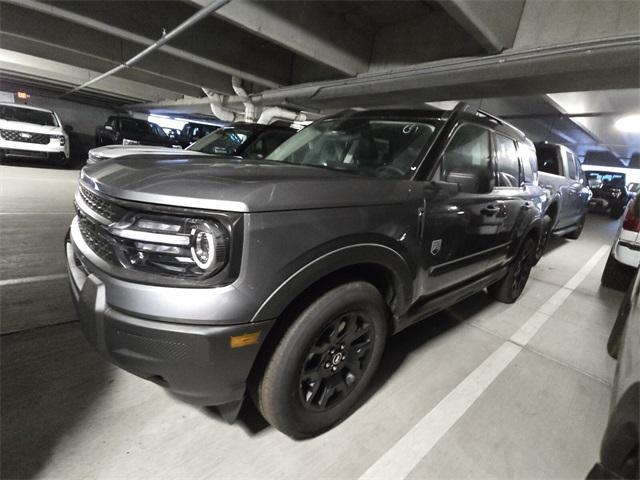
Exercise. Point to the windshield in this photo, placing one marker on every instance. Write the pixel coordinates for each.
(605, 179)
(27, 115)
(224, 141)
(368, 146)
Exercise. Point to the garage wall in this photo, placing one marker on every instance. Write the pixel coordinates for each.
(83, 118)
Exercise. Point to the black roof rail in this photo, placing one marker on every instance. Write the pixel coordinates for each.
(473, 110)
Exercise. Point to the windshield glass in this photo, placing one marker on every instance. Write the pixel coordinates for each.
(605, 179)
(225, 141)
(368, 146)
(27, 115)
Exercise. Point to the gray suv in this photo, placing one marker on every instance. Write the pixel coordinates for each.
(282, 278)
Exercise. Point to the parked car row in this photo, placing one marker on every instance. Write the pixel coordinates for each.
(280, 275)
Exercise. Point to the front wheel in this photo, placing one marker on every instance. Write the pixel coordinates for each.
(510, 287)
(325, 360)
(575, 234)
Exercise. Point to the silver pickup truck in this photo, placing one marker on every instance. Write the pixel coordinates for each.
(560, 174)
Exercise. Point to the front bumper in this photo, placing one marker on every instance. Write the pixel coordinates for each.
(195, 362)
(52, 150)
(599, 204)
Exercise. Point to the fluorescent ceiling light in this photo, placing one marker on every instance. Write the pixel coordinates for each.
(629, 123)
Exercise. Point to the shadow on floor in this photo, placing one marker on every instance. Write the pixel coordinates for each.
(51, 379)
(398, 348)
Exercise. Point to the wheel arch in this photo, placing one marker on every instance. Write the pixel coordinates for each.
(379, 264)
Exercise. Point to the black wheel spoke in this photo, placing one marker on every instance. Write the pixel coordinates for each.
(325, 395)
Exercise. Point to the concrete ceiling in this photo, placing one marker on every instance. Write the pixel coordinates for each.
(325, 55)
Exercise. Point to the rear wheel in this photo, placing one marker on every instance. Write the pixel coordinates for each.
(575, 234)
(510, 287)
(547, 222)
(325, 360)
(616, 275)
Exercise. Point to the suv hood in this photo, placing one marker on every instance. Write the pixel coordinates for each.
(30, 127)
(237, 185)
(113, 151)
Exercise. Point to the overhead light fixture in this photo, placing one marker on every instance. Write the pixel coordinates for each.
(629, 123)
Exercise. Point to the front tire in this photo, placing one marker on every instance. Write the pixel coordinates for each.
(575, 234)
(510, 287)
(323, 364)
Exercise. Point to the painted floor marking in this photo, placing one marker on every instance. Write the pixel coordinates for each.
(409, 450)
(39, 278)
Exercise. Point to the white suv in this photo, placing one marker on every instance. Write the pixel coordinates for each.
(625, 253)
(33, 133)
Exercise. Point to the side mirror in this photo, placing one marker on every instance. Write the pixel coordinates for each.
(68, 128)
(439, 189)
(108, 127)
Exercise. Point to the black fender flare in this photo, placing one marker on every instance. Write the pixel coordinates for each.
(348, 256)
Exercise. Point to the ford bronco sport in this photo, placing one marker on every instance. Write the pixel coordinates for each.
(283, 277)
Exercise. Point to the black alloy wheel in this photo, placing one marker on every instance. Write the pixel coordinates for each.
(336, 361)
(321, 367)
(523, 265)
(509, 288)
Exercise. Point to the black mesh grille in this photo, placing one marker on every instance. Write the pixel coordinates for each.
(25, 137)
(100, 206)
(95, 238)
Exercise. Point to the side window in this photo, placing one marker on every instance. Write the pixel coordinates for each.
(571, 166)
(467, 160)
(266, 143)
(112, 122)
(525, 160)
(507, 162)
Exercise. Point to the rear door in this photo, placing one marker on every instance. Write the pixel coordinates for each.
(573, 174)
(460, 226)
(511, 193)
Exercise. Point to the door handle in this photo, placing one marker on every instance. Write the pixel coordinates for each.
(490, 210)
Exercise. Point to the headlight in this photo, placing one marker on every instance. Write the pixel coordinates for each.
(126, 141)
(177, 146)
(190, 248)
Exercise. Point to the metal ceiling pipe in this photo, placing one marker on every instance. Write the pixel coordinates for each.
(166, 37)
(249, 107)
(278, 113)
(217, 108)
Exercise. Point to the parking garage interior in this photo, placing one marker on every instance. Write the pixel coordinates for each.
(481, 389)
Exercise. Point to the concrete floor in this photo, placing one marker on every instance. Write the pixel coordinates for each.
(67, 413)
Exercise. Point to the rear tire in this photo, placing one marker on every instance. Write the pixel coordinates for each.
(306, 389)
(575, 234)
(616, 275)
(547, 222)
(510, 287)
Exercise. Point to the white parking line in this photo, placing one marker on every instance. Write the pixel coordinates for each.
(406, 453)
(39, 278)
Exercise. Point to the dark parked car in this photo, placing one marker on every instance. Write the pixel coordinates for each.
(619, 448)
(560, 173)
(609, 192)
(249, 140)
(132, 131)
(283, 277)
(192, 132)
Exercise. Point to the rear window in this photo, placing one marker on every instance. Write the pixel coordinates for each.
(133, 125)
(548, 160)
(507, 161)
(27, 115)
